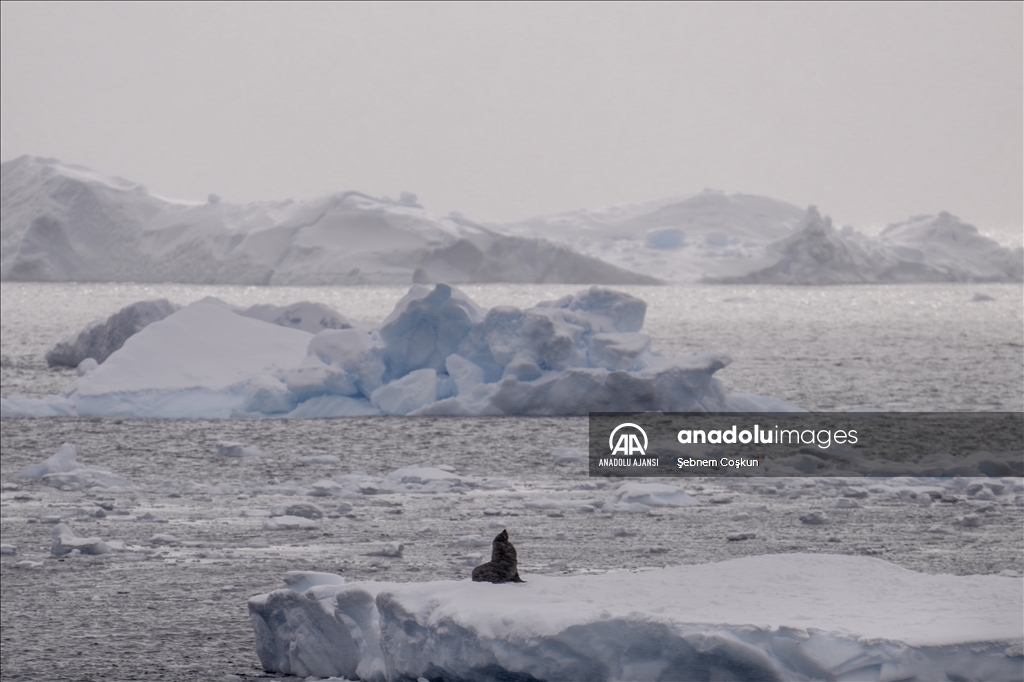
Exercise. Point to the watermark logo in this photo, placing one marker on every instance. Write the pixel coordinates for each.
(628, 443)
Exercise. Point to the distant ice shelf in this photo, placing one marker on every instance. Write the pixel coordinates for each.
(785, 617)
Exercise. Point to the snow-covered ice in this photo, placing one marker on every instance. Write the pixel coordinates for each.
(770, 617)
(68, 223)
(200, 361)
(64, 222)
(923, 249)
(717, 237)
(437, 353)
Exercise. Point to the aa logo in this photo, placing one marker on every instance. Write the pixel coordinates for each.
(628, 444)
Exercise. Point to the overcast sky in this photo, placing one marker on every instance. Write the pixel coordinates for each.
(873, 112)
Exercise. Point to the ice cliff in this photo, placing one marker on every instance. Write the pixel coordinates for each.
(437, 353)
(774, 617)
(62, 222)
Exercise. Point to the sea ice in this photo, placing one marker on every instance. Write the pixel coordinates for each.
(62, 470)
(229, 448)
(303, 509)
(28, 564)
(164, 539)
(65, 541)
(318, 459)
(650, 495)
(288, 523)
(771, 617)
(427, 479)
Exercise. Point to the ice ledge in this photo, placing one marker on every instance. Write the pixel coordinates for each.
(774, 617)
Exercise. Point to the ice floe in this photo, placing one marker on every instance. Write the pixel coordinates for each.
(62, 470)
(771, 617)
(65, 541)
(288, 523)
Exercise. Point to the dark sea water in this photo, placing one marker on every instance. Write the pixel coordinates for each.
(178, 612)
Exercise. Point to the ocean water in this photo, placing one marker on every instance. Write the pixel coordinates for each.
(157, 612)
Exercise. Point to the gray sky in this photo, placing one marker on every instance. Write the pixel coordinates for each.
(874, 112)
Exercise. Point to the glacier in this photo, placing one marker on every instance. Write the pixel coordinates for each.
(771, 617)
(437, 353)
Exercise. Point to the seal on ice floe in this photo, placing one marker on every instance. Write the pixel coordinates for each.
(503, 566)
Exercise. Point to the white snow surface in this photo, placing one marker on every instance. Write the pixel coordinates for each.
(437, 353)
(63, 222)
(770, 617)
(197, 362)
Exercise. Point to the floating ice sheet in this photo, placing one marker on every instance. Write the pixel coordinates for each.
(772, 617)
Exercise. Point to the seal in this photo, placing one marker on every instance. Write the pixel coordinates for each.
(503, 566)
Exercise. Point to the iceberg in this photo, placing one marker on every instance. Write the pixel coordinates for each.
(923, 249)
(65, 223)
(198, 362)
(737, 238)
(100, 339)
(771, 617)
(677, 239)
(437, 353)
